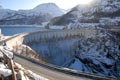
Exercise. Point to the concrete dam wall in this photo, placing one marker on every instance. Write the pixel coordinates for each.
(56, 46)
(56, 34)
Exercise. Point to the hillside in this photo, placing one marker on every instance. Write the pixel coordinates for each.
(38, 15)
(99, 13)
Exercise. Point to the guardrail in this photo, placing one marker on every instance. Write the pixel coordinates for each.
(67, 71)
(13, 41)
(11, 37)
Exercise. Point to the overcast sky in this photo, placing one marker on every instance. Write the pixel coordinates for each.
(29, 4)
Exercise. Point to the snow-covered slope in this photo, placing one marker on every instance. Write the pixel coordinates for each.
(50, 8)
(42, 9)
(8, 67)
(37, 15)
(99, 13)
(4, 13)
(98, 54)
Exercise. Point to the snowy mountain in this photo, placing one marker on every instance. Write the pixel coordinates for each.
(99, 13)
(52, 9)
(37, 15)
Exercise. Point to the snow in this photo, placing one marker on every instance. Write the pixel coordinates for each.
(109, 9)
(2, 65)
(5, 72)
(93, 52)
(78, 25)
(46, 8)
(8, 53)
(56, 27)
(29, 73)
(77, 65)
(97, 14)
(111, 21)
(35, 76)
(41, 13)
(20, 66)
(51, 8)
(4, 13)
(1, 54)
(42, 9)
(21, 74)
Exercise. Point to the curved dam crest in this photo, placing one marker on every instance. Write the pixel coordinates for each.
(58, 34)
(57, 46)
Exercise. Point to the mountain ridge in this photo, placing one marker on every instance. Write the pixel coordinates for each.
(100, 13)
(37, 15)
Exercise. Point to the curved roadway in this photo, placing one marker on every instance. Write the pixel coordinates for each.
(45, 72)
(53, 74)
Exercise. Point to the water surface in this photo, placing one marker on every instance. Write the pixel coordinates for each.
(11, 30)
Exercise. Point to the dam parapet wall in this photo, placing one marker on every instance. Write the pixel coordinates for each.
(57, 34)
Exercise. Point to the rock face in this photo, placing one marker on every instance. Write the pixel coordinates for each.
(99, 13)
(26, 51)
(99, 54)
(41, 13)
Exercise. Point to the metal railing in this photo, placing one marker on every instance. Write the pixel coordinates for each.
(67, 71)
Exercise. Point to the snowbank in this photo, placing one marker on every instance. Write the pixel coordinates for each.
(5, 72)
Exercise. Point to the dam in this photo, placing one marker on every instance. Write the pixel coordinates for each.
(57, 47)
(58, 34)
(52, 45)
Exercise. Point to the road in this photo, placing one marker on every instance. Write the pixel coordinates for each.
(45, 72)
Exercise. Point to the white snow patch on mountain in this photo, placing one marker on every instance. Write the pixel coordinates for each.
(50, 8)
